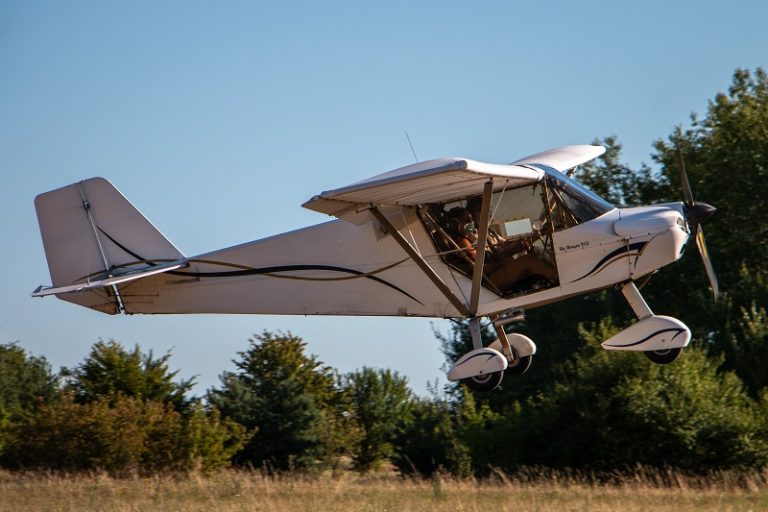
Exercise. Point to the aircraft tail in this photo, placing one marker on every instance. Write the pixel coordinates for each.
(92, 233)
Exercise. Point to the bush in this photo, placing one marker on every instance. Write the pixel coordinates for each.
(610, 409)
(26, 383)
(111, 370)
(121, 435)
(430, 442)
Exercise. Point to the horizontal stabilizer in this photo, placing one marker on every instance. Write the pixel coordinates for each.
(133, 275)
(90, 229)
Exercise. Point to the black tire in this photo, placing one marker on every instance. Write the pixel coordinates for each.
(484, 383)
(519, 366)
(663, 356)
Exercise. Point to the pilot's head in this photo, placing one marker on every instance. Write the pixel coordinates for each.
(459, 221)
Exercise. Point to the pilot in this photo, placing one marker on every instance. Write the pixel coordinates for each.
(461, 228)
(475, 206)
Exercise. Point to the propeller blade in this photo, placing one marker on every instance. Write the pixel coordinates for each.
(702, 246)
(696, 214)
(684, 179)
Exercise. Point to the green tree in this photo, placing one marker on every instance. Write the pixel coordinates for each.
(283, 394)
(26, 384)
(726, 156)
(431, 441)
(122, 435)
(749, 346)
(110, 371)
(484, 432)
(26, 381)
(611, 410)
(616, 182)
(381, 400)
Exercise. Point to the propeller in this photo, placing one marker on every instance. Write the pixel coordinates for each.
(695, 214)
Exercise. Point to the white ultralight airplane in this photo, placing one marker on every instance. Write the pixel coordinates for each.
(406, 243)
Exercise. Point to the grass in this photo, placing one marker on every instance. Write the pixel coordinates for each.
(534, 490)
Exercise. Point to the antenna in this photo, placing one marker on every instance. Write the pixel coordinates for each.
(411, 143)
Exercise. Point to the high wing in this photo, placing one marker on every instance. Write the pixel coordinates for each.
(564, 158)
(431, 181)
(444, 179)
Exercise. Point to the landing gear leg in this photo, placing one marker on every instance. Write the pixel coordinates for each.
(662, 355)
(474, 332)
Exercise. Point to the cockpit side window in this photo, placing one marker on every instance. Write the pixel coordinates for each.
(518, 256)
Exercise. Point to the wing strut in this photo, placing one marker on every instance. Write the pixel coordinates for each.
(482, 238)
(423, 265)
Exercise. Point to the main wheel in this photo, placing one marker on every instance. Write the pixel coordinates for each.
(663, 356)
(483, 383)
(519, 366)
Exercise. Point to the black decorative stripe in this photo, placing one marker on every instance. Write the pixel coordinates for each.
(264, 270)
(676, 330)
(124, 247)
(489, 356)
(634, 249)
(289, 268)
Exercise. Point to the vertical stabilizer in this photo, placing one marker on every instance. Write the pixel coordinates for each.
(91, 231)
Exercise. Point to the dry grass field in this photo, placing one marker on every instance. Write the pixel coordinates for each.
(251, 491)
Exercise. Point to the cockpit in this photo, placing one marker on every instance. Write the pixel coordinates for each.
(519, 253)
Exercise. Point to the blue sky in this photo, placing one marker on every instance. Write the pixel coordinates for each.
(219, 119)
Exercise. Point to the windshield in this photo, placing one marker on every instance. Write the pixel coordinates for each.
(581, 203)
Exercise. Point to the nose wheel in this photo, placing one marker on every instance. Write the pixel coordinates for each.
(663, 356)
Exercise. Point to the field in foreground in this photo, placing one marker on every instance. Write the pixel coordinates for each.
(241, 491)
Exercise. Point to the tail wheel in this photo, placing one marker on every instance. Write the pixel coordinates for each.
(484, 383)
(663, 356)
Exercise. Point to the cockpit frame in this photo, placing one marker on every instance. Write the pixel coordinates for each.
(513, 228)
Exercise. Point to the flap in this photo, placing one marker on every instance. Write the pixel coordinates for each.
(431, 181)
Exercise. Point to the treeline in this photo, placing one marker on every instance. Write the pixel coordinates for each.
(123, 411)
